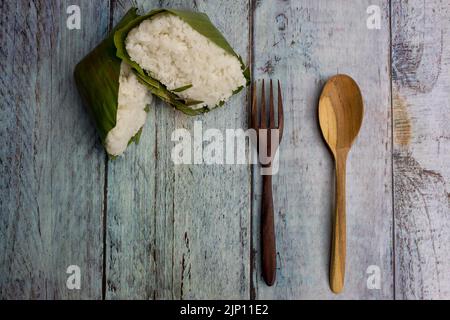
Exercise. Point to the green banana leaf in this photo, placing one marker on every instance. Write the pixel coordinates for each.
(97, 80)
(199, 22)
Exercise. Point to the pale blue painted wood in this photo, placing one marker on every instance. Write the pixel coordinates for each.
(303, 43)
(165, 241)
(421, 86)
(51, 165)
(181, 231)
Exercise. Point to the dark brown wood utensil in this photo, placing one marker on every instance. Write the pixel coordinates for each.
(268, 243)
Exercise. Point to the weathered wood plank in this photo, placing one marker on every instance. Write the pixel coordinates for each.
(51, 165)
(421, 91)
(181, 231)
(164, 241)
(303, 43)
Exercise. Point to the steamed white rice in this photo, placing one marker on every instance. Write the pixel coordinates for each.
(177, 55)
(131, 115)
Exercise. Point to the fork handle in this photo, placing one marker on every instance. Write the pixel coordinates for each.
(269, 262)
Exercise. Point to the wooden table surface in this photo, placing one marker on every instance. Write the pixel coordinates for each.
(142, 227)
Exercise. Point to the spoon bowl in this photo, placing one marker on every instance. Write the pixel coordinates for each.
(340, 112)
(340, 116)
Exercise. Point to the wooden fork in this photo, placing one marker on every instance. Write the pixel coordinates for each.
(268, 245)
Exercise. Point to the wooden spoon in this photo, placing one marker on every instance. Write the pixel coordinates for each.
(340, 116)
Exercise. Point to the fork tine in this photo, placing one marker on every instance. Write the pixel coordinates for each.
(254, 112)
(271, 107)
(263, 123)
(280, 111)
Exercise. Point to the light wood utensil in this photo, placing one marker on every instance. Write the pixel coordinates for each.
(340, 116)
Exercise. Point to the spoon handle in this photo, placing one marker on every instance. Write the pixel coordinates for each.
(338, 246)
(269, 261)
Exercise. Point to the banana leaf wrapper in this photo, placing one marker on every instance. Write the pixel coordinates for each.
(97, 81)
(199, 22)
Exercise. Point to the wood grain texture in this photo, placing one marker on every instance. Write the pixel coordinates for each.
(421, 91)
(341, 111)
(185, 231)
(51, 165)
(181, 231)
(303, 43)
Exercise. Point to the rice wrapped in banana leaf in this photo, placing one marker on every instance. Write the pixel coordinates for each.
(117, 101)
(182, 58)
(179, 56)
